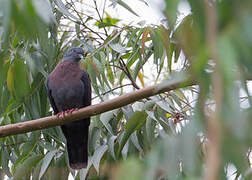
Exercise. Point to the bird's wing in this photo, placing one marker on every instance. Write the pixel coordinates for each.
(49, 92)
(87, 88)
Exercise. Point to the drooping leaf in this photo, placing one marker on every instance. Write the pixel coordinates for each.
(105, 118)
(98, 154)
(141, 76)
(63, 9)
(123, 4)
(145, 34)
(24, 168)
(17, 79)
(111, 146)
(134, 123)
(117, 47)
(44, 10)
(46, 162)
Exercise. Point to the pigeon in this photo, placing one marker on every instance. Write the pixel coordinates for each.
(68, 89)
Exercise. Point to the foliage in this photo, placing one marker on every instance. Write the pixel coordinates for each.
(168, 136)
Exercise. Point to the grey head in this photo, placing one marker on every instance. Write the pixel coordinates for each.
(74, 54)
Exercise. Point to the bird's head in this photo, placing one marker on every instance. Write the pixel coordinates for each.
(75, 54)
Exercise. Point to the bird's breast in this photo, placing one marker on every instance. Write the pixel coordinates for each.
(67, 88)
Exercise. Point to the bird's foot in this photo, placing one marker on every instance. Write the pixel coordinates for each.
(61, 114)
(70, 111)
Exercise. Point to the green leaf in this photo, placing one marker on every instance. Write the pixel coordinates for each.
(118, 48)
(123, 4)
(105, 118)
(24, 168)
(177, 52)
(136, 40)
(98, 154)
(107, 22)
(160, 120)
(110, 75)
(17, 79)
(3, 72)
(94, 135)
(98, 65)
(63, 9)
(134, 123)
(132, 35)
(60, 169)
(127, 111)
(44, 10)
(5, 157)
(46, 161)
(134, 140)
(10, 80)
(171, 11)
(164, 106)
(35, 61)
(6, 9)
(158, 47)
(150, 129)
(46, 145)
(111, 146)
(92, 71)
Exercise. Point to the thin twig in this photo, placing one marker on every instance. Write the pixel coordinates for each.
(96, 8)
(127, 72)
(111, 90)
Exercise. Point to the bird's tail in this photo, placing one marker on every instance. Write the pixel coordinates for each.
(77, 145)
(78, 155)
(76, 134)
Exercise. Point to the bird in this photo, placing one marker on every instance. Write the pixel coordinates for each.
(69, 88)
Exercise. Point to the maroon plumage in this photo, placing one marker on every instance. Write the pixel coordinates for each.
(69, 87)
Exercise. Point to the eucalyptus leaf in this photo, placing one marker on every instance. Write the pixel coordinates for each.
(63, 9)
(46, 162)
(98, 154)
(117, 47)
(134, 123)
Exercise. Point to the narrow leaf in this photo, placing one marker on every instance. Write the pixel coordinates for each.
(26, 166)
(133, 124)
(123, 4)
(118, 48)
(46, 161)
(111, 146)
(63, 9)
(98, 154)
(141, 76)
(105, 118)
(144, 36)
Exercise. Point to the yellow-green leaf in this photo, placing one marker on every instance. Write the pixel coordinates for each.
(17, 79)
(21, 79)
(141, 76)
(10, 81)
(25, 167)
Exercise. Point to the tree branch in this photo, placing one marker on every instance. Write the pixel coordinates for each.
(51, 121)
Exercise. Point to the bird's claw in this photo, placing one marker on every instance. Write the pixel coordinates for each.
(61, 114)
(70, 111)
